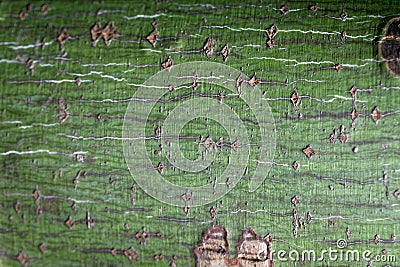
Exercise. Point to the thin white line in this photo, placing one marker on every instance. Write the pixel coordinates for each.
(10, 122)
(139, 16)
(40, 151)
(37, 124)
(104, 137)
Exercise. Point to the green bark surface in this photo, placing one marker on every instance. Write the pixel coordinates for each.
(350, 185)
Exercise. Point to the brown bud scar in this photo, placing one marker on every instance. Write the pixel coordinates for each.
(270, 43)
(213, 212)
(186, 197)
(348, 233)
(295, 165)
(158, 151)
(158, 257)
(160, 167)
(308, 151)
(343, 15)
(195, 83)
(354, 114)
(294, 99)
(344, 137)
(271, 31)
(69, 222)
(159, 234)
(284, 10)
(313, 8)
(99, 117)
(186, 209)
(220, 96)
(131, 254)
(89, 220)
(109, 33)
(228, 182)
(96, 33)
(309, 218)
(393, 237)
(42, 247)
(36, 193)
(295, 234)
(342, 36)
(254, 81)
(235, 145)
(208, 47)
(78, 81)
(353, 92)
(30, 63)
(238, 84)
(63, 37)
(153, 37)
(376, 115)
(44, 9)
(22, 15)
(157, 131)
(23, 258)
(377, 239)
(17, 207)
(208, 143)
(295, 201)
(332, 137)
(167, 64)
(225, 52)
(62, 110)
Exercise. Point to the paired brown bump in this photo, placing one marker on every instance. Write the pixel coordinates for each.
(209, 46)
(285, 9)
(252, 249)
(339, 134)
(29, 8)
(108, 33)
(63, 113)
(271, 33)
